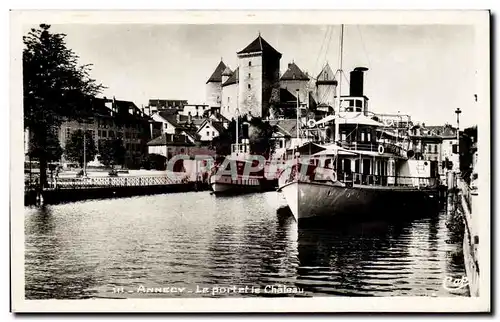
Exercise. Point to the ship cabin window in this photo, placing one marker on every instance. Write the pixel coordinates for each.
(346, 165)
(352, 105)
(356, 166)
(362, 136)
(314, 162)
(343, 136)
(328, 163)
(369, 136)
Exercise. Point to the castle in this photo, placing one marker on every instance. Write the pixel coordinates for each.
(256, 87)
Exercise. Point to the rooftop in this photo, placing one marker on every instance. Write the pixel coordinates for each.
(171, 139)
(234, 78)
(260, 45)
(286, 126)
(293, 72)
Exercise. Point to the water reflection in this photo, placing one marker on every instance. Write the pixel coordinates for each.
(86, 249)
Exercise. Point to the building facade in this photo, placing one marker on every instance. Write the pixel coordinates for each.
(114, 119)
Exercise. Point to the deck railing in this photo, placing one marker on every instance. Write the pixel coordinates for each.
(385, 180)
(373, 147)
(352, 178)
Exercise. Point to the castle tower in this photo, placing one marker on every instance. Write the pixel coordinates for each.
(259, 66)
(294, 79)
(326, 87)
(214, 86)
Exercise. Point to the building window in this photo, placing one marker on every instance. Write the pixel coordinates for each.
(208, 133)
(249, 63)
(213, 133)
(104, 133)
(68, 132)
(249, 86)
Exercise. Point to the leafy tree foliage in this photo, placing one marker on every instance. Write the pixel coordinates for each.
(112, 152)
(73, 149)
(258, 132)
(55, 88)
(52, 149)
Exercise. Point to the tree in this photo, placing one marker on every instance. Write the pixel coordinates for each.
(52, 149)
(154, 161)
(259, 134)
(55, 88)
(74, 147)
(111, 152)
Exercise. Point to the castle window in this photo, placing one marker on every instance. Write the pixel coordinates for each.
(249, 75)
(249, 86)
(249, 63)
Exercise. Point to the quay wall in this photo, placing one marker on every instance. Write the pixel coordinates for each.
(57, 196)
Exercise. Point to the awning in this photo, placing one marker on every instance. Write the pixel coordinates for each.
(342, 118)
(307, 148)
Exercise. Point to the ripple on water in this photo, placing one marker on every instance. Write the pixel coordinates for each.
(84, 249)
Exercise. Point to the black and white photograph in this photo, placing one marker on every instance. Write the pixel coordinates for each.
(238, 161)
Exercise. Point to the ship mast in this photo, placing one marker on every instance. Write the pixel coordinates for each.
(337, 109)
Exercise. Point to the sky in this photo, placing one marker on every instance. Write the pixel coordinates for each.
(426, 71)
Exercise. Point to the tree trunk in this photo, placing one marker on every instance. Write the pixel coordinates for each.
(43, 157)
(43, 171)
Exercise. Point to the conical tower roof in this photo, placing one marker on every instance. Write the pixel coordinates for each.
(217, 74)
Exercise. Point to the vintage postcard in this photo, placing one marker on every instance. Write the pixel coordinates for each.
(250, 161)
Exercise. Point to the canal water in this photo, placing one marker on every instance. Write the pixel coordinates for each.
(200, 245)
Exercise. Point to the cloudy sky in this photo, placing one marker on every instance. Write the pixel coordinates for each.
(426, 71)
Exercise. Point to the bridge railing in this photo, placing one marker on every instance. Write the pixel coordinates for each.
(125, 181)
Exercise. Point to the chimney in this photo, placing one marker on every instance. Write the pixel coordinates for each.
(357, 79)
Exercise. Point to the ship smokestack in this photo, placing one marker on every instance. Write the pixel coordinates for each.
(357, 79)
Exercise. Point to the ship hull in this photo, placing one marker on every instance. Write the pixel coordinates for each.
(311, 201)
(233, 188)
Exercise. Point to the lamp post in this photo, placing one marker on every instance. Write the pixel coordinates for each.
(458, 112)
